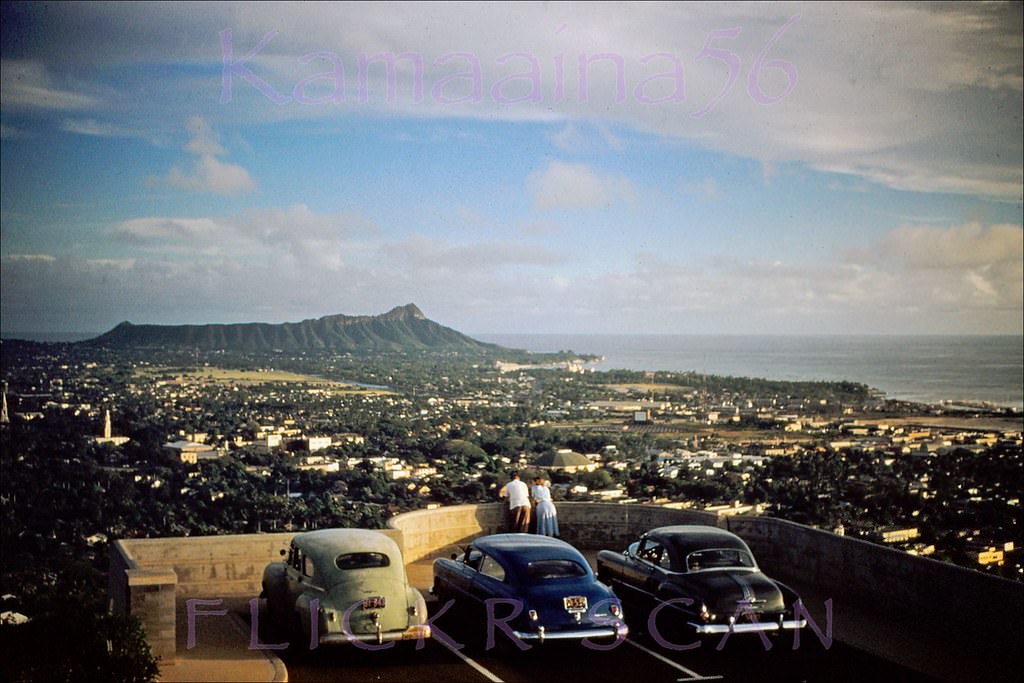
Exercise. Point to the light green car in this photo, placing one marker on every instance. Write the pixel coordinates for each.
(340, 586)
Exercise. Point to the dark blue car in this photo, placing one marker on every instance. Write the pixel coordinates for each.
(533, 588)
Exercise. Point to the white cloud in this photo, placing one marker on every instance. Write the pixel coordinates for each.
(96, 128)
(419, 254)
(208, 173)
(562, 185)
(170, 229)
(573, 139)
(967, 246)
(707, 189)
(968, 268)
(914, 96)
(27, 258)
(294, 237)
(496, 286)
(27, 84)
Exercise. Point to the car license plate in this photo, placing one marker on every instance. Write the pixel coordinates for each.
(376, 602)
(575, 603)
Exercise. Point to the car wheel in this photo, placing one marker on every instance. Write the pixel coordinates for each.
(298, 639)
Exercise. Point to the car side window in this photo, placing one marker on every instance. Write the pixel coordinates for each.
(490, 567)
(666, 561)
(651, 551)
(307, 566)
(473, 557)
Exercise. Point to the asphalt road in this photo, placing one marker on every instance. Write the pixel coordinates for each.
(638, 658)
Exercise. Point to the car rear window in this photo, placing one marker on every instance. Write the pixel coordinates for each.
(361, 560)
(554, 569)
(718, 558)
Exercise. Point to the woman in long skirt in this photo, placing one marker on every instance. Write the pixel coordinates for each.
(547, 516)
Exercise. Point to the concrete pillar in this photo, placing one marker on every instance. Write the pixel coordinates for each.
(151, 599)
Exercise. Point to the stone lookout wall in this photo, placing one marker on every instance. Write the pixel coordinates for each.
(888, 602)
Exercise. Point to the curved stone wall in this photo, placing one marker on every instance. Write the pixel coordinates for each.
(909, 609)
(436, 532)
(916, 587)
(427, 533)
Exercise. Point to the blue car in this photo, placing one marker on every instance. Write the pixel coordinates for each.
(532, 588)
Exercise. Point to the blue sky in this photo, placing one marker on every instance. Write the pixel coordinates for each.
(656, 168)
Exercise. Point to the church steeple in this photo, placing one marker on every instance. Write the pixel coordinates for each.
(4, 417)
(107, 429)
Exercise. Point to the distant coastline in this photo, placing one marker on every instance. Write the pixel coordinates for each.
(50, 337)
(929, 369)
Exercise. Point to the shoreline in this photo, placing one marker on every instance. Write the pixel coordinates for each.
(944, 372)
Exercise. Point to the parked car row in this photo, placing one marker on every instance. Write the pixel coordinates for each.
(349, 585)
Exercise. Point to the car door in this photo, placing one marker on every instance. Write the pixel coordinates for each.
(300, 574)
(643, 573)
(489, 581)
(459, 577)
(287, 586)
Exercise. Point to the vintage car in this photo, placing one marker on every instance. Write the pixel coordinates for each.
(704, 578)
(355, 581)
(545, 587)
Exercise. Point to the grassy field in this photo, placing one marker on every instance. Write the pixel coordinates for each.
(214, 375)
(649, 387)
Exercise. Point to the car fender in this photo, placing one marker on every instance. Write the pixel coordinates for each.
(789, 596)
(302, 612)
(275, 589)
(416, 606)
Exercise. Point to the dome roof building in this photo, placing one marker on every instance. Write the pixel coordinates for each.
(566, 460)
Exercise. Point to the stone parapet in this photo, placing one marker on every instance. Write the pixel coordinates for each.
(146, 574)
(917, 587)
(979, 617)
(147, 594)
(585, 525)
(427, 532)
(951, 607)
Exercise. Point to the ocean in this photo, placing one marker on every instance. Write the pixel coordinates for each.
(925, 369)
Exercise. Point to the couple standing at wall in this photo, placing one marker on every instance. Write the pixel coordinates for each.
(519, 505)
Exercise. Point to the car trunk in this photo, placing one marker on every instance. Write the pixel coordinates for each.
(550, 602)
(741, 591)
(362, 600)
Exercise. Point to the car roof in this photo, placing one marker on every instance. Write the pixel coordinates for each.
(517, 550)
(688, 537)
(333, 542)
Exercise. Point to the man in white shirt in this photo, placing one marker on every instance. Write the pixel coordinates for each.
(518, 503)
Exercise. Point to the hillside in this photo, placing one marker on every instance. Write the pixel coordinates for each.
(403, 328)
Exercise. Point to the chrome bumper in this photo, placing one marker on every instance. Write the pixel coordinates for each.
(411, 633)
(749, 627)
(541, 635)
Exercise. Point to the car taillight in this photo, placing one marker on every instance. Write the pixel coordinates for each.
(705, 613)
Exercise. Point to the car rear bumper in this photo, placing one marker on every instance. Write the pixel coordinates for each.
(411, 633)
(541, 635)
(749, 627)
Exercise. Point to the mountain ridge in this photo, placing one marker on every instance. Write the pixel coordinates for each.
(403, 328)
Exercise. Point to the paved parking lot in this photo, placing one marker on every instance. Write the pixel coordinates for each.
(639, 657)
